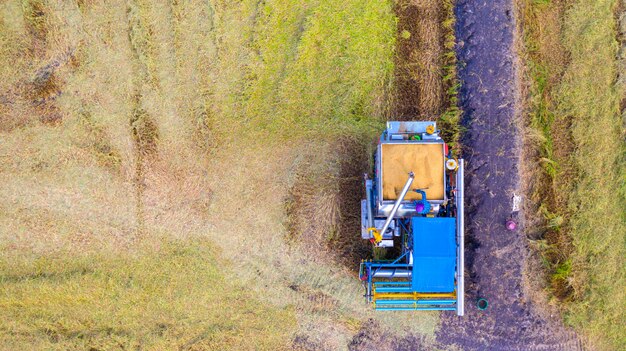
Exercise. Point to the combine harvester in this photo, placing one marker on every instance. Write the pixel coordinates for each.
(414, 208)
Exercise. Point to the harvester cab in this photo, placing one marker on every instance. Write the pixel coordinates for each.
(414, 208)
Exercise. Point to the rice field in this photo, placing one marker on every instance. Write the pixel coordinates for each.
(152, 153)
(576, 139)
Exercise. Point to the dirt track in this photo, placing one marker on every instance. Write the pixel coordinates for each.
(494, 256)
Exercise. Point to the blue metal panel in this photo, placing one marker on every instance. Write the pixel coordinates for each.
(394, 290)
(415, 302)
(434, 254)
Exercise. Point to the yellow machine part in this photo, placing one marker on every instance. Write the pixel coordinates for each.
(376, 234)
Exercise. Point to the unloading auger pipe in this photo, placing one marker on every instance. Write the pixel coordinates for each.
(396, 205)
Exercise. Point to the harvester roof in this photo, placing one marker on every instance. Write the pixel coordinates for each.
(434, 254)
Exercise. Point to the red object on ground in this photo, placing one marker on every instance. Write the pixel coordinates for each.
(511, 225)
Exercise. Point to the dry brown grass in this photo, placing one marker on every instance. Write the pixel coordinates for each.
(552, 131)
(326, 296)
(191, 121)
(425, 73)
(330, 190)
(419, 63)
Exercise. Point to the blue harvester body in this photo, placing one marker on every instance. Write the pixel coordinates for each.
(414, 209)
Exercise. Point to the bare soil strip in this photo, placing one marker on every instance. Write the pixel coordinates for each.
(495, 257)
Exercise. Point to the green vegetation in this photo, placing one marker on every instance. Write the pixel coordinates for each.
(136, 136)
(298, 69)
(167, 297)
(576, 127)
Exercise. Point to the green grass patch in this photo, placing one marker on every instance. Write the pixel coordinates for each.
(171, 295)
(575, 112)
(314, 68)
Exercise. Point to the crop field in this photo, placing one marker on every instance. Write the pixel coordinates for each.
(576, 139)
(188, 174)
(160, 160)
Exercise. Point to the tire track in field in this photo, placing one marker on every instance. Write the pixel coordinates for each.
(495, 257)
